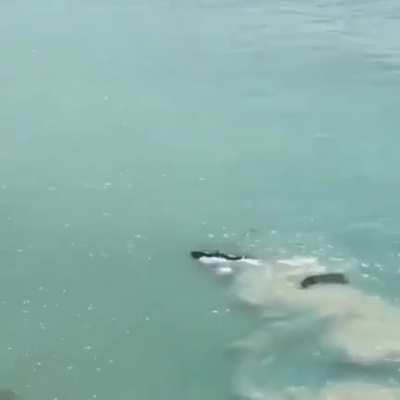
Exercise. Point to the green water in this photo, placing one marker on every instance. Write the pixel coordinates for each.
(133, 132)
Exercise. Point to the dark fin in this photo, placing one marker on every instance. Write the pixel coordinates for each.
(199, 254)
(336, 277)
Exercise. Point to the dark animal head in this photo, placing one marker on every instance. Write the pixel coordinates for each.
(196, 255)
(335, 278)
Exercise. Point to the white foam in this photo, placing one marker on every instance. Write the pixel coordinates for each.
(213, 260)
(299, 261)
(222, 260)
(224, 271)
(251, 261)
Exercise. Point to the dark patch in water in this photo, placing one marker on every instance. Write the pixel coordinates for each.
(336, 278)
(6, 394)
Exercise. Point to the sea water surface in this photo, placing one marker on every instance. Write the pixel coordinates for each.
(132, 132)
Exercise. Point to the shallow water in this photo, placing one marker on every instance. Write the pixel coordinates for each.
(134, 132)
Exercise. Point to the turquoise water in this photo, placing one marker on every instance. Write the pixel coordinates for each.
(134, 132)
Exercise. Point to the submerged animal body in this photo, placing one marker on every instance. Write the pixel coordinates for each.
(360, 328)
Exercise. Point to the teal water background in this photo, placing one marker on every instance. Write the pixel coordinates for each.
(132, 132)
